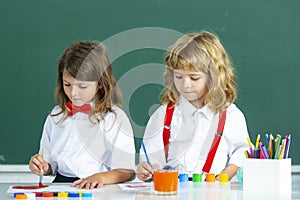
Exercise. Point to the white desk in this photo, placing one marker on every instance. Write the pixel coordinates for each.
(235, 192)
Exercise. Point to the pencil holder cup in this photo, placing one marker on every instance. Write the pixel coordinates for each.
(261, 175)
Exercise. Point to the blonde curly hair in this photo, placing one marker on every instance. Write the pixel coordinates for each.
(202, 52)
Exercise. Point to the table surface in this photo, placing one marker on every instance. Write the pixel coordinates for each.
(234, 192)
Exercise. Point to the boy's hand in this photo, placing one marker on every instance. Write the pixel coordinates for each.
(144, 171)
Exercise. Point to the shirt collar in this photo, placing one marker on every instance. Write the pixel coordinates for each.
(206, 112)
(188, 109)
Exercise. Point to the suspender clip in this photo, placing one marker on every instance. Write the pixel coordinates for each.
(219, 134)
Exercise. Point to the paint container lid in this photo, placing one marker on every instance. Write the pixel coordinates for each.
(86, 194)
(223, 177)
(210, 178)
(38, 194)
(48, 194)
(62, 195)
(21, 196)
(197, 177)
(74, 194)
(15, 194)
(183, 177)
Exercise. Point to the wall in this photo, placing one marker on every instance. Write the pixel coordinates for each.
(261, 36)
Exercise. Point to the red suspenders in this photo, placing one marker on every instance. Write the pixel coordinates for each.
(214, 146)
(167, 127)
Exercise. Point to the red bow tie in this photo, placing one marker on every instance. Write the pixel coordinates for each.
(86, 108)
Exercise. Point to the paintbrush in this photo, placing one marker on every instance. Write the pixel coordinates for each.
(41, 171)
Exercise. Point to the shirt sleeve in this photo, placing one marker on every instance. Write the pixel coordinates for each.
(238, 138)
(121, 141)
(153, 138)
(45, 143)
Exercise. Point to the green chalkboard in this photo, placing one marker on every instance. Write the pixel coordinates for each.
(261, 36)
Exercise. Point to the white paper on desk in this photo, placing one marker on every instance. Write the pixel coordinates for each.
(53, 188)
(135, 186)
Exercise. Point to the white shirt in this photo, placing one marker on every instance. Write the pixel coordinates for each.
(191, 136)
(79, 148)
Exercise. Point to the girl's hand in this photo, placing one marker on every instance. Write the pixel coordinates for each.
(144, 171)
(94, 181)
(37, 163)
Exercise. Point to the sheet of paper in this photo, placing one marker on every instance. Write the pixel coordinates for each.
(135, 186)
(182, 187)
(53, 188)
